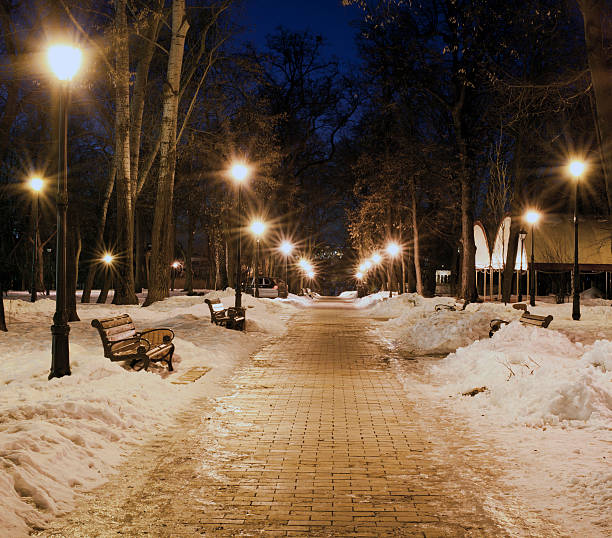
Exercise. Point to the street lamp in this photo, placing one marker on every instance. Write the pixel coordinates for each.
(522, 236)
(286, 248)
(576, 169)
(64, 61)
(36, 184)
(239, 172)
(393, 249)
(532, 217)
(257, 229)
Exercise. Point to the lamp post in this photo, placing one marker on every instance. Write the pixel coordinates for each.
(36, 184)
(522, 236)
(532, 217)
(64, 61)
(239, 172)
(286, 248)
(576, 169)
(393, 249)
(257, 228)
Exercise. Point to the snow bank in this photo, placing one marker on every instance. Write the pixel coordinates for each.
(416, 327)
(348, 295)
(66, 435)
(535, 377)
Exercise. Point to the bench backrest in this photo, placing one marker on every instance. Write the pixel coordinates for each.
(215, 305)
(533, 319)
(113, 329)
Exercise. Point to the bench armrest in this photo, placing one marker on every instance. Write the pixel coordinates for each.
(497, 323)
(157, 336)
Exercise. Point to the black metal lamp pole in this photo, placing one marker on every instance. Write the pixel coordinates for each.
(286, 273)
(238, 300)
(576, 283)
(35, 253)
(522, 235)
(257, 269)
(60, 356)
(532, 272)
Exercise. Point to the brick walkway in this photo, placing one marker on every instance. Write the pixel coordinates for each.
(318, 439)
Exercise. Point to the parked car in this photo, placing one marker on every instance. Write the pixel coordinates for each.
(269, 287)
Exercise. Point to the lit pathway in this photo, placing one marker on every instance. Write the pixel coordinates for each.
(318, 439)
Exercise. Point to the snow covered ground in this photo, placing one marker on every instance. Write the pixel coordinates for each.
(66, 435)
(543, 396)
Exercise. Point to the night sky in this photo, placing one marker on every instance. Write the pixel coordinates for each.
(324, 17)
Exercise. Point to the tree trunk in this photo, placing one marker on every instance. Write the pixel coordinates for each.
(415, 238)
(189, 253)
(105, 287)
(139, 252)
(515, 222)
(99, 244)
(468, 290)
(159, 281)
(2, 318)
(597, 16)
(124, 284)
(509, 268)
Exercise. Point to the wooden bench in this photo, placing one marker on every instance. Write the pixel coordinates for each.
(232, 318)
(526, 319)
(122, 342)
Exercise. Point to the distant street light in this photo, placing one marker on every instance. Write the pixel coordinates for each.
(108, 259)
(257, 229)
(392, 249)
(576, 169)
(286, 248)
(239, 172)
(36, 184)
(64, 61)
(522, 236)
(532, 217)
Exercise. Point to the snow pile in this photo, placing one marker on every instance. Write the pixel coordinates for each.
(416, 327)
(348, 295)
(535, 377)
(66, 435)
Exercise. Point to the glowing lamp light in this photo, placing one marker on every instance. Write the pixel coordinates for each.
(577, 168)
(368, 265)
(393, 249)
(376, 258)
(359, 275)
(176, 265)
(36, 184)
(362, 268)
(240, 172)
(286, 248)
(532, 217)
(305, 265)
(64, 61)
(258, 228)
(310, 274)
(107, 259)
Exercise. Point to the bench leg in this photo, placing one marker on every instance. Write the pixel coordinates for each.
(169, 360)
(145, 363)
